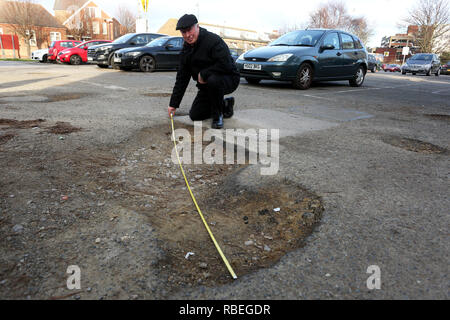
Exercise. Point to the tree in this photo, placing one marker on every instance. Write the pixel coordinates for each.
(433, 20)
(127, 18)
(80, 26)
(334, 15)
(22, 18)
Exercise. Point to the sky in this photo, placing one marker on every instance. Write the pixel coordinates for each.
(260, 15)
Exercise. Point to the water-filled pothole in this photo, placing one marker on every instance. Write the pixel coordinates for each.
(413, 145)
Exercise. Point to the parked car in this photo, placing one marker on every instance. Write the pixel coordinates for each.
(163, 53)
(427, 63)
(60, 45)
(372, 63)
(445, 68)
(234, 54)
(78, 54)
(103, 54)
(40, 55)
(392, 68)
(304, 56)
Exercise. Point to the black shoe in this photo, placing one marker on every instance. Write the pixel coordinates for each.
(228, 107)
(217, 123)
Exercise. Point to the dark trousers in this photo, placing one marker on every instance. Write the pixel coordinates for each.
(209, 101)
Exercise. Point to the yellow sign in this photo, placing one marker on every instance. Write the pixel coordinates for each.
(145, 5)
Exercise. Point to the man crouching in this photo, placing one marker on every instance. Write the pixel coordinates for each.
(207, 59)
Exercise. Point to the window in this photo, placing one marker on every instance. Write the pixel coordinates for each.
(105, 28)
(141, 39)
(96, 27)
(177, 43)
(333, 39)
(358, 43)
(33, 37)
(55, 36)
(347, 41)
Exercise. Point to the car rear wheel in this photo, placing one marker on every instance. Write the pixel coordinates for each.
(75, 59)
(359, 77)
(428, 73)
(304, 77)
(438, 72)
(252, 80)
(147, 64)
(44, 59)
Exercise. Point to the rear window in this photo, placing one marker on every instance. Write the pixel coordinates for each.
(358, 43)
(347, 41)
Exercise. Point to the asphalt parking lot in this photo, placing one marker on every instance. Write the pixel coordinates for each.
(375, 156)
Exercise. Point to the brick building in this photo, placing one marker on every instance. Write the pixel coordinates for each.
(86, 20)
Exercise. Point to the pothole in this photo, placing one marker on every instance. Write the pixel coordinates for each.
(158, 94)
(444, 117)
(62, 128)
(6, 137)
(66, 97)
(413, 145)
(21, 124)
(254, 226)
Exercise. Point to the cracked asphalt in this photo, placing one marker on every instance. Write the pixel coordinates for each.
(376, 155)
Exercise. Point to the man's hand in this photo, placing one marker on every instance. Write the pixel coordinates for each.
(171, 111)
(200, 79)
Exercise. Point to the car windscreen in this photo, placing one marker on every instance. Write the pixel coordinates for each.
(158, 42)
(306, 38)
(124, 38)
(426, 57)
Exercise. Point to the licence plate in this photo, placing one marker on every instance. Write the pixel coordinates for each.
(117, 59)
(90, 59)
(251, 66)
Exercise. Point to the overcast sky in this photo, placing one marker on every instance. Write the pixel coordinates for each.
(260, 15)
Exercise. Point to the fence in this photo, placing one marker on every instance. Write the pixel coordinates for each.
(9, 44)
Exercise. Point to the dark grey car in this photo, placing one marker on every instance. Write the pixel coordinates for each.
(305, 56)
(427, 63)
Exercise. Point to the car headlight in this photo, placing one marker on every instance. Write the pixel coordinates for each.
(281, 57)
(241, 57)
(133, 54)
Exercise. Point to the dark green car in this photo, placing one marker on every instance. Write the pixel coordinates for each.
(305, 56)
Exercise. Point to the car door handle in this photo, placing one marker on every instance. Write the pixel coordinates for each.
(339, 54)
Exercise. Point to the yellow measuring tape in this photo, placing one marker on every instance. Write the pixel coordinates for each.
(230, 269)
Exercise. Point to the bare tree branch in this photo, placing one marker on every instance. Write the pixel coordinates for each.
(433, 19)
(127, 18)
(334, 15)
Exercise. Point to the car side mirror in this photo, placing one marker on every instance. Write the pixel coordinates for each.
(326, 47)
(85, 48)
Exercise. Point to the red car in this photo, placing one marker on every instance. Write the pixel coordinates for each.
(391, 68)
(59, 45)
(78, 54)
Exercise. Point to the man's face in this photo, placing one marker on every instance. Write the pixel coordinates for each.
(190, 35)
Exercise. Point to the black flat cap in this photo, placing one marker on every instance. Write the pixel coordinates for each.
(186, 21)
